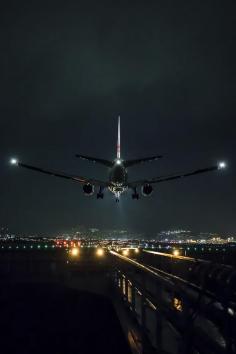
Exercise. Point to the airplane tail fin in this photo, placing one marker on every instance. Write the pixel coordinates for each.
(118, 140)
(95, 159)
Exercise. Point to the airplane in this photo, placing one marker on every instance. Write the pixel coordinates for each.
(118, 182)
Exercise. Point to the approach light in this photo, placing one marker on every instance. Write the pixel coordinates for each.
(221, 165)
(13, 161)
(176, 253)
(100, 252)
(74, 252)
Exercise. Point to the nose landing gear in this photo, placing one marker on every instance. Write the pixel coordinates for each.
(100, 194)
(135, 195)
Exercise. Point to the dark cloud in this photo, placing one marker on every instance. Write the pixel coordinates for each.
(69, 69)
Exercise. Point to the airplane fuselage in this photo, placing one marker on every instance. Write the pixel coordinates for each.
(118, 178)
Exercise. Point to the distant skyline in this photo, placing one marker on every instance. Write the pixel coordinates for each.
(69, 69)
(86, 230)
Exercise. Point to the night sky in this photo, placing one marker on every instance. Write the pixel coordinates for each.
(69, 69)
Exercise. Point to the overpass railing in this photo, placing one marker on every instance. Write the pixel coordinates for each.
(175, 316)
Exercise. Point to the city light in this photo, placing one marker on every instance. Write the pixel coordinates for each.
(100, 252)
(136, 250)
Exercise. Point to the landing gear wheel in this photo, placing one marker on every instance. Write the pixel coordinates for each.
(100, 195)
(135, 196)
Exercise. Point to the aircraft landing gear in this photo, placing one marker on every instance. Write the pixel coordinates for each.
(100, 194)
(135, 195)
(117, 200)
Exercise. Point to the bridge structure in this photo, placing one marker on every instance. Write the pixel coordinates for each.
(191, 310)
(166, 304)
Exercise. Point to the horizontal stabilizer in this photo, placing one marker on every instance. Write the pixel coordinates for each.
(129, 163)
(95, 160)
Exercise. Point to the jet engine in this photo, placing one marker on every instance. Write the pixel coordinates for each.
(147, 190)
(88, 189)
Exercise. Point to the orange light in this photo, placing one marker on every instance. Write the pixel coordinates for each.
(100, 252)
(125, 252)
(176, 253)
(74, 252)
(177, 303)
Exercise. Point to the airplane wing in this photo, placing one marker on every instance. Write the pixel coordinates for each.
(129, 163)
(95, 160)
(64, 175)
(173, 177)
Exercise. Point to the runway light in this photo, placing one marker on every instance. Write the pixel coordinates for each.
(176, 253)
(221, 165)
(125, 252)
(100, 252)
(74, 252)
(13, 161)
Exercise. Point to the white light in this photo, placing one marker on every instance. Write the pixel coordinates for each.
(13, 161)
(221, 165)
(118, 162)
(230, 311)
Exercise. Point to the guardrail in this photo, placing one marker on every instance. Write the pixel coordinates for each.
(175, 315)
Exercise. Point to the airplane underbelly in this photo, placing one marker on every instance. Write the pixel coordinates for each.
(118, 176)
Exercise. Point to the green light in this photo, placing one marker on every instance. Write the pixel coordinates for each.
(46, 246)
(39, 246)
